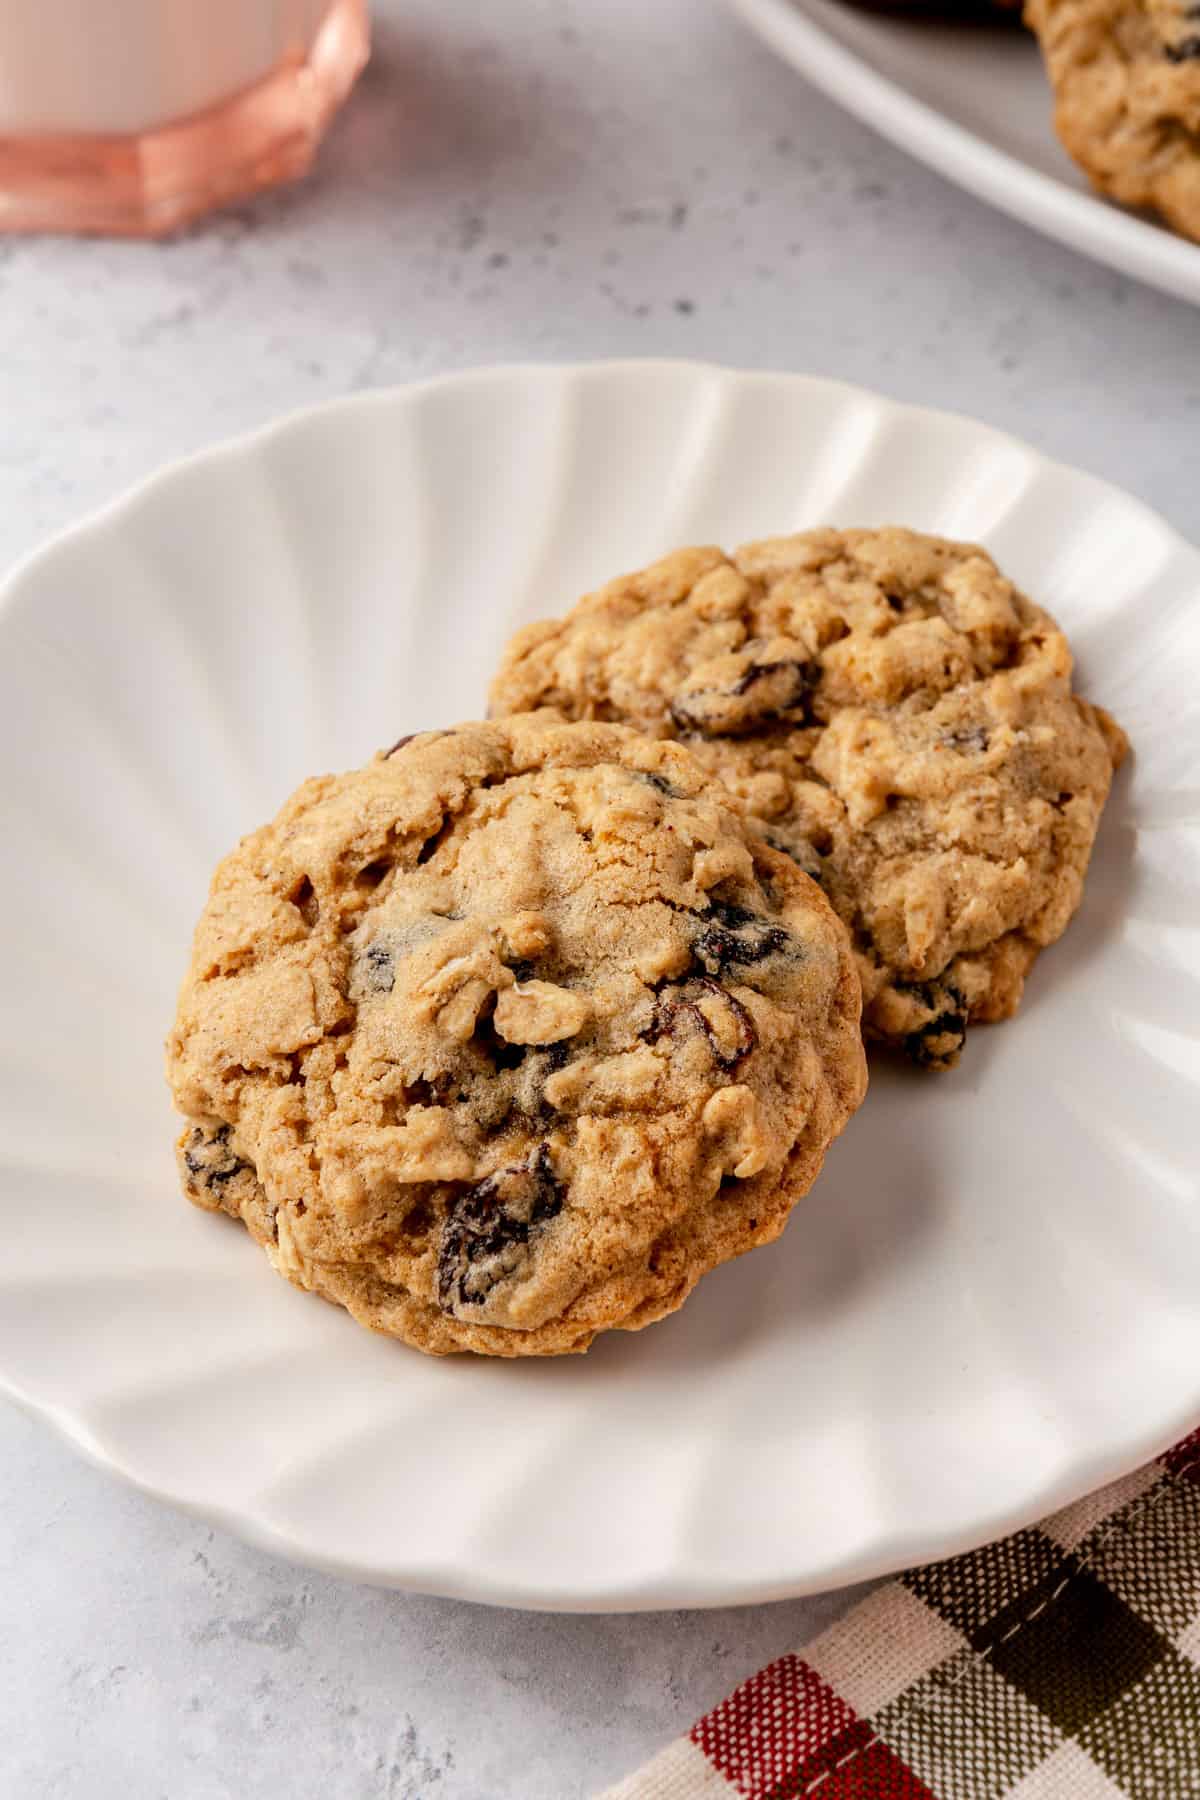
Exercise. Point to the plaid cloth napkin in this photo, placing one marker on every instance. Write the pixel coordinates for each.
(1062, 1663)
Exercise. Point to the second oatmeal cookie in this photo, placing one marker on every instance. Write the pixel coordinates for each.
(899, 717)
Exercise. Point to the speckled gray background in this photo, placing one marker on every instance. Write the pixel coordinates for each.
(534, 178)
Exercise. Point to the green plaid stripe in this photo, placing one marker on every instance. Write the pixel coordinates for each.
(966, 1732)
(1093, 1646)
(1149, 1739)
(1150, 1555)
(985, 1594)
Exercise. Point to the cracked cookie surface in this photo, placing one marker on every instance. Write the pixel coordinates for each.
(1126, 80)
(900, 720)
(509, 1036)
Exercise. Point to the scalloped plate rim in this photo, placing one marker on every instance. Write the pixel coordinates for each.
(671, 1592)
(313, 413)
(675, 1586)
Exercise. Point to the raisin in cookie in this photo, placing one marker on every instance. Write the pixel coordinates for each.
(900, 719)
(511, 1035)
(1126, 80)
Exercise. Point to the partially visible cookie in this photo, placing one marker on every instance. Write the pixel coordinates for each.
(898, 716)
(1126, 80)
(511, 1035)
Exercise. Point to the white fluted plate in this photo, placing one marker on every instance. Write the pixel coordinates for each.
(988, 1303)
(972, 101)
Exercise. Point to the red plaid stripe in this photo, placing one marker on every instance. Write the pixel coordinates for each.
(873, 1773)
(785, 1735)
(1184, 1459)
